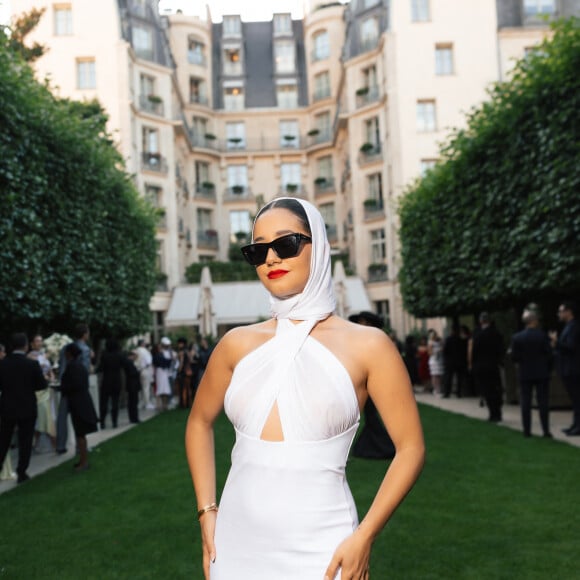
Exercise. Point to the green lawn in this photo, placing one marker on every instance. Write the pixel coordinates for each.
(489, 505)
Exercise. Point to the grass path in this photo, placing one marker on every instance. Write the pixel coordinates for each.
(489, 505)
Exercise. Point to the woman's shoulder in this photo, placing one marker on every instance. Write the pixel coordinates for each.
(242, 339)
(359, 337)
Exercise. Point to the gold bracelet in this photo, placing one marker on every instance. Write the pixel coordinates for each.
(212, 507)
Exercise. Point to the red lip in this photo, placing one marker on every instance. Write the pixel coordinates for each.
(277, 274)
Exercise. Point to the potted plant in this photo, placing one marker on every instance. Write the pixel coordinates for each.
(313, 132)
(208, 185)
(362, 91)
(241, 236)
(366, 148)
(235, 140)
(320, 181)
(289, 138)
(211, 233)
(155, 99)
(371, 204)
(210, 136)
(291, 187)
(238, 189)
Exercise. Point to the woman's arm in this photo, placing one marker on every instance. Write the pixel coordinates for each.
(390, 389)
(199, 440)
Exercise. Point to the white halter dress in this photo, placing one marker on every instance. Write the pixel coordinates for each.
(286, 505)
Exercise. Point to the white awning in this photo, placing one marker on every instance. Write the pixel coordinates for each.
(243, 302)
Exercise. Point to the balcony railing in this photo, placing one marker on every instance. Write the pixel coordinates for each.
(319, 54)
(321, 94)
(208, 240)
(151, 104)
(323, 185)
(198, 99)
(370, 153)
(377, 273)
(373, 209)
(233, 69)
(196, 57)
(238, 193)
(205, 191)
(317, 137)
(293, 190)
(153, 162)
(368, 44)
(366, 96)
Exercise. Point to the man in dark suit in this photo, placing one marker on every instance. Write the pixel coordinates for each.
(568, 357)
(454, 362)
(487, 354)
(20, 378)
(531, 350)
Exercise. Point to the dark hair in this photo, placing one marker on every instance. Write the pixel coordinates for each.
(484, 318)
(19, 341)
(80, 330)
(569, 305)
(72, 349)
(292, 206)
(182, 340)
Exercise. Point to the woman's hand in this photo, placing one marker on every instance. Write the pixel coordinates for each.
(352, 558)
(207, 523)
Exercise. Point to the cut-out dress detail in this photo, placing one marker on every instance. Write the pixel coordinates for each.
(286, 505)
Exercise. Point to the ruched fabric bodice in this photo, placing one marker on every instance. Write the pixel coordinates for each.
(286, 505)
(314, 392)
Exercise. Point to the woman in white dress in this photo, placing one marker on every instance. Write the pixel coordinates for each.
(293, 387)
(435, 346)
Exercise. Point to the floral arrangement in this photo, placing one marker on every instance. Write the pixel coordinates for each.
(53, 345)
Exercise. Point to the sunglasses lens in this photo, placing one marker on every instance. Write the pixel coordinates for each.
(287, 246)
(255, 254)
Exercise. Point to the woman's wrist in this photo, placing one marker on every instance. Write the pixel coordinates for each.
(211, 507)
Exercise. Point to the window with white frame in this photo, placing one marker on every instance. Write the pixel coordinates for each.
(197, 91)
(321, 45)
(289, 135)
(425, 165)
(86, 73)
(232, 26)
(195, 51)
(322, 122)
(369, 33)
(420, 11)
(329, 216)
(233, 61)
(322, 85)
(375, 188)
(154, 195)
(426, 118)
(372, 131)
(236, 135)
(201, 172)
(204, 220)
(378, 246)
(325, 167)
(285, 56)
(282, 24)
(238, 175)
(539, 7)
(240, 223)
(443, 59)
(369, 75)
(287, 95)
(147, 85)
(63, 24)
(290, 174)
(150, 140)
(143, 42)
(199, 128)
(234, 98)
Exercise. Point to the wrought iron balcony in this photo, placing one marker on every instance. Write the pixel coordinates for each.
(323, 185)
(366, 96)
(152, 104)
(377, 273)
(153, 162)
(208, 240)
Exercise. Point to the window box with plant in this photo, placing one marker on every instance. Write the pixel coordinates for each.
(371, 204)
(237, 189)
(366, 148)
(320, 181)
(362, 91)
(291, 187)
(155, 99)
(210, 137)
(313, 132)
(208, 185)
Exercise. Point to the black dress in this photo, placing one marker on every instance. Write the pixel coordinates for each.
(75, 387)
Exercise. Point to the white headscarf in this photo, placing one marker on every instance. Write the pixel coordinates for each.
(317, 301)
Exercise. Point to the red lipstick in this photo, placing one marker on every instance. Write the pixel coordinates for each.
(277, 274)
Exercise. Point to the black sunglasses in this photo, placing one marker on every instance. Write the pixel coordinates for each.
(285, 247)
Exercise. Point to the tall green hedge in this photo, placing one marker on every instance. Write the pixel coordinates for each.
(497, 222)
(76, 241)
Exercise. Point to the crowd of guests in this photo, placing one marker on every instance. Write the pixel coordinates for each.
(37, 395)
(466, 363)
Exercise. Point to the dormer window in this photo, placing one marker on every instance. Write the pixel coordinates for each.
(282, 24)
(285, 57)
(232, 26)
(232, 61)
